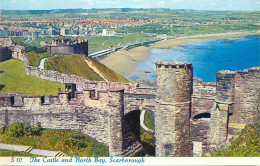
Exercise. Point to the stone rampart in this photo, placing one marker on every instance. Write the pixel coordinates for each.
(246, 91)
(186, 110)
(203, 97)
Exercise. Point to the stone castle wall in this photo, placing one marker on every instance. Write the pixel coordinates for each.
(173, 108)
(189, 113)
(68, 47)
(60, 113)
(246, 91)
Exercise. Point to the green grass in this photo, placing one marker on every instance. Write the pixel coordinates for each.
(110, 74)
(70, 142)
(7, 153)
(15, 80)
(149, 120)
(121, 78)
(34, 58)
(75, 64)
(20, 41)
(145, 136)
(103, 42)
(96, 43)
(245, 145)
(72, 64)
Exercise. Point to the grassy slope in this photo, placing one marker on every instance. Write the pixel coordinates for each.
(15, 80)
(75, 64)
(13, 153)
(72, 64)
(55, 140)
(34, 59)
(108, 72)
(245, 145)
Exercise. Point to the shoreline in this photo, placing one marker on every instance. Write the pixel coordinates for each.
(124, 62)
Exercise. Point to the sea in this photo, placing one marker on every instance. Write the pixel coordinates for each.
(207, 57)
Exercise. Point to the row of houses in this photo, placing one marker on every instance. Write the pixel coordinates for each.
(34, 32)
(19, 32)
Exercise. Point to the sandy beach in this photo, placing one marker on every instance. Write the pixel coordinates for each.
(125, 62)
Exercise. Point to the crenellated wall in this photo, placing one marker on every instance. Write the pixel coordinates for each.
(191, 116)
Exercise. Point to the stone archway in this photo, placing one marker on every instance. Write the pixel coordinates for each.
(135, 123)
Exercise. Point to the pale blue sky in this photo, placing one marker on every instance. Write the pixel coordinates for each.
(173, 4)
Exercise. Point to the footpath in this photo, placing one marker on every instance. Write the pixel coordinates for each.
(150, 131)
(30, 150)
(96, 70)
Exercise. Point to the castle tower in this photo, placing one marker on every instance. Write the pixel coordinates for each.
(173, 107)
(116, 123)
(225, 83)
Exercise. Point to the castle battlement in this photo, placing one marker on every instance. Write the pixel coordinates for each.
(173, 65)
(191, 116)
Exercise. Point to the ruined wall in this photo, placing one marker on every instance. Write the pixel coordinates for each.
(99, 114)
(6, 42)
(5, 54)
(8, 50)
(173, 108)
(246, 91)
(199, 131)
(59, 113)
(78, 48)
(203, 97)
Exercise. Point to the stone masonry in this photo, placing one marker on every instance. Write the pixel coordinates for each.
(173, 108)
(191, 117)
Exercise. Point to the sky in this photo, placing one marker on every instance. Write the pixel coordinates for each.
(246, 5)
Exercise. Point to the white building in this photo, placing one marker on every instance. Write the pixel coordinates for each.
(108, 32)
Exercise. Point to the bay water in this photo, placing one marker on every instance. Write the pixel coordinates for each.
(207, 57)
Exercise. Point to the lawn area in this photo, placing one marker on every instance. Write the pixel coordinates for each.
(8, 153)
(16, 81)
(35, 58)
(72, 64)
(149, 120)
(70, 142)
(76, 65)
(147, 139)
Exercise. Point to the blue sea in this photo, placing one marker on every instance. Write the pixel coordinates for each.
(207, 57)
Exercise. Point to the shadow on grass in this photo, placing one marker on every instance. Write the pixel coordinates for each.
(150, 150)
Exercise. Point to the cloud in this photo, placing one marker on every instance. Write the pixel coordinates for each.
(161, 2)
(13, 1)
(176, 1)
(110, 2)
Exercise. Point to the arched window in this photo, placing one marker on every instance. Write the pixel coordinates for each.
(201, 115)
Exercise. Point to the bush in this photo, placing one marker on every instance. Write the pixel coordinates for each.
(15, 130)
(2, 129)
(19, 129)
(76, 140)
(245, 145)
(147, 138)
(37, 130)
